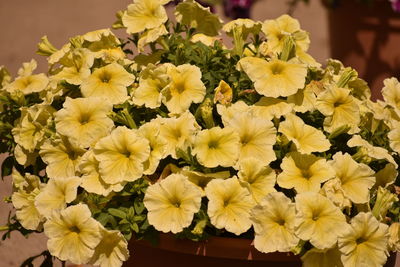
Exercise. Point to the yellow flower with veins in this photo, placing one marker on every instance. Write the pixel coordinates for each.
(273, 221)
(269, 108)
(73, 234)
(365, 242)
(391, 92)
(229, 205)
(274, 78)
(228, 112)
(318, 220)
(84, 120)
(184, 89)
(306, 138)
(172, 203)
(304, 172)
(151, 36)
(109, 82)
(217, 147)
(121, 155)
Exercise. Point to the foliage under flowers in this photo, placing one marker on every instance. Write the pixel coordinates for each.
(190, 137)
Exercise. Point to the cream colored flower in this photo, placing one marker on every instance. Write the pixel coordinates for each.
(304, 172)
(391, 92)
(318, 220)
(322, 257)
(144, 14)
(73, 234)
(24, 157)
(109, 82)
(57, 193)
(274, 78)
(394, 139)
(217, 147)
(304, 100)
(205, 39)
(243, 27)
(228, 112)
(394, 236)
(229, 205)
(257, 177)
(365, 242)
(306, 138)
(184, 89)
(273, 222)
(333, 190)
(151, 36)
(84, 120)
(269, 108)
(172, 203)
(340, 108)
(121, 155)
(386, 176)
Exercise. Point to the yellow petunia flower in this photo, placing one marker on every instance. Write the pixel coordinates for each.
(274, 78)
(333, 190)
(223, 93)
(304, 100)
(322, 257)
(84, 120)
(304, 172)
(274, 221)
(217, 147)
(394, 236)
(73, 234)
(394, 139)
(257, 177)
(318, 220)
(306, 138)
(151, 36)
(144, 14)
(205, 39)
(229, 205)
(109, 82)
(184, 89)
(57, 193)
(121, 155)
(391, 92)
(228, 112)
(356, 178)
(365, 242)
(386, 176)
(172, 203)
(269, 108)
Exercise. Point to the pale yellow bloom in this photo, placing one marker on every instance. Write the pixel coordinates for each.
(274, 78)
(144, 14)
(109, 82)
(319, 257)
(304, 100)
(172, 203)
(318, 220)
(205, 39)
(394, 236)
(223, 93)
(333, 190)
(257, 177)
(386, 176)
(242, 26)
(365, 242)
(228, 112)
(184, 89)
(391, 92)
(24, 157)
(306, 138)
(27, 83)
(394, 139)
(151, 36)
(304, 172)
(229, 205)
(274, 221)
(84, 120)
(269, 108)
(73, 234)
(103, 44)
(217, 147)
(57, 193)
(121, 155)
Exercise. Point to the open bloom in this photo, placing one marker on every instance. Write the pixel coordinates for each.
(172, 203)
(229, 205)
(391, 92)
(73, 234)
(273, 222)
(270, 107)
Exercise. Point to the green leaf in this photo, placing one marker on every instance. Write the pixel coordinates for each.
(7, 166)
(139, 207)
(135, 227)
(117, 213)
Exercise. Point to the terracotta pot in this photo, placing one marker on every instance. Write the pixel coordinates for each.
(367, 38)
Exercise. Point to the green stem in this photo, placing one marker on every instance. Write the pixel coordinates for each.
(128, 119)
(4, 228)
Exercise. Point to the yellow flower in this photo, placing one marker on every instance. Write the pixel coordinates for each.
(391, 92)
(322, 257)
(318, 220)
(223, 93)
(304, 172)
(386, 176)
(62, 158)
(304, 100)
(103, 44)
(172, 203)
(243, 27)
(184, 89)
(92, 181)
(257, 177)
(73, 234)
(394, 139)
(228, 112)
(273, 222)
(24, 157)
(178, 132)
(112, 251)
(56, 194)
(269, 108)
(151, 36)
(274, 78)
(217, 147)
(229, 205)
(84, 120)
(340, 108)
(109, 82)
(121, 155)
(205, 39)
(356, 178)
(333, 190)
(144, 14)
(257, 137)
(394, 236)
(365, 242)
(306, 138)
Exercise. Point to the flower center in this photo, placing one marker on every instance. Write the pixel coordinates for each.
(360, 240)
(84, 119)
(306, 174)
(75, 229)
(213, 144)
(180, 87)
(277, 68)
(280, 221)
(105, 77)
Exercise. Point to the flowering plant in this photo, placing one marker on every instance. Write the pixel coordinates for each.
(171, 131)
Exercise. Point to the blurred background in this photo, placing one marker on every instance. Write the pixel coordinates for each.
(363, 36)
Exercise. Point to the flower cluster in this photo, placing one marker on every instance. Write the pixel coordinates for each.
(171, 131)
